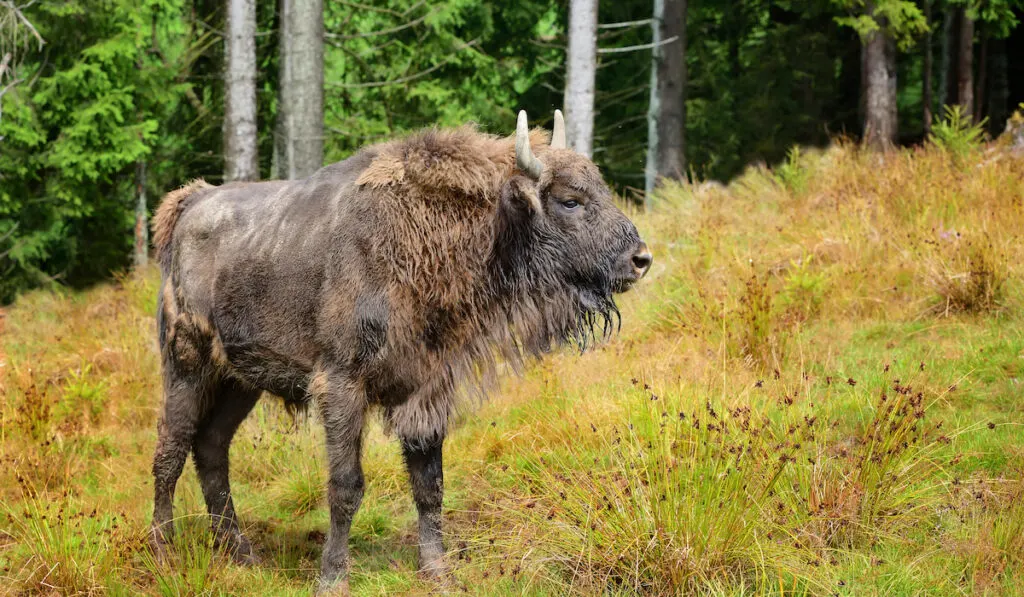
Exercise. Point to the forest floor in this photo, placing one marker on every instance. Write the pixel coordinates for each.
(817, 390)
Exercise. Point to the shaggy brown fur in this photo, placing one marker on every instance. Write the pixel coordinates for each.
(394, 280)
(170, 209)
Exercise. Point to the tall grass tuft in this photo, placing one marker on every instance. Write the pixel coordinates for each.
(67, 550)
(765, 491)
(969, 275)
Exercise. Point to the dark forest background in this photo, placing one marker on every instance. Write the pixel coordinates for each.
(106, 102)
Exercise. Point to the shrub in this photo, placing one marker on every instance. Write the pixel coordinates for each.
(968, 275)
(957, 133)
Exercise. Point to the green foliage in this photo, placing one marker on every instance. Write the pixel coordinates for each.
(99, 96)
(751, 97)
(957, 133)
(999, 15)
(791, 173)
(901, 19)
(404, 65)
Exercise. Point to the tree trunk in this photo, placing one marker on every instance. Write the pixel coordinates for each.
(240, 92)
(279, 162)
(581, 70)
(141, 253)
(999, 88)
(946, 59)
(926, 78)
(880, 89)
(965, 65)
(979, 90)
(666, 116)
(300, 130)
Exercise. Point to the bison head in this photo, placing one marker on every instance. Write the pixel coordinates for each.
(564, 240)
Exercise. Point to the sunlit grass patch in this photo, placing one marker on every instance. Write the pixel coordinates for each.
(672, 491)
(63, 548)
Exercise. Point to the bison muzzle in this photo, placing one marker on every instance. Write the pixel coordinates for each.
(397, 279)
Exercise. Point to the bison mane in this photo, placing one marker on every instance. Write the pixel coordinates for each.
(462, 265)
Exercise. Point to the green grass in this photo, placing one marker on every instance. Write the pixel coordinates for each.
(817, 391)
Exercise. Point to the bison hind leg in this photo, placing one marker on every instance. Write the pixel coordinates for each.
(231, 404)
(183, 402)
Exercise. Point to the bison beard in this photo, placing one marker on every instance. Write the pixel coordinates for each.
(397, 279)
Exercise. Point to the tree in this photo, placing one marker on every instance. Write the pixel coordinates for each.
(926, 76)
(882, 25)
(240, 149)
(580, 76)
(965, 64)
(140, 255)
(413, 64)
(880, 111)
(98, 102)
(947, 74)
(977, 81)
(666, 128)
(16, 36)
(299, 143)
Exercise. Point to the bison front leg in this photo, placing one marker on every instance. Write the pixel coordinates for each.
(342, 408)
(426, 475)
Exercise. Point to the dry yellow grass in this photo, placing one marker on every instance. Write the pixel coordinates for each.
(817, 390)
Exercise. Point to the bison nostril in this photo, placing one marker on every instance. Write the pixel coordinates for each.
(642, 259)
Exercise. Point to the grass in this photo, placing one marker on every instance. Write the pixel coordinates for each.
(817, 391)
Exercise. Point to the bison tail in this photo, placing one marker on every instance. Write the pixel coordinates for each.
(170, 209)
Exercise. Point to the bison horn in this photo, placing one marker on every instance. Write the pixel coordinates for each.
(558, 133)
(525, 159)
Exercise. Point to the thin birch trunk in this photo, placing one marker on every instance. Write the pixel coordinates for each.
(141, 253)
(581, 72)
(240, 149)
(301, 118)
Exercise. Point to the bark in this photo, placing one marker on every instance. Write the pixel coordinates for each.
(880, 90)
(979, 90)
(240, 92)
(141, 253)
(926, 78)
(666, 116)
(278, 164)
(965, 65)
(999, 88)
(946, 75)
(581, 71)
(299, 141)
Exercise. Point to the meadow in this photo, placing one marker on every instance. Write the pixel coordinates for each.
(818, 390)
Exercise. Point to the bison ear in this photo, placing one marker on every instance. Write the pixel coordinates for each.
(521, 193)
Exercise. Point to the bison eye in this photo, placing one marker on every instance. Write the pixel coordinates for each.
(570, 204)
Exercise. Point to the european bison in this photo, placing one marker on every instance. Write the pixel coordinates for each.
(396, 279)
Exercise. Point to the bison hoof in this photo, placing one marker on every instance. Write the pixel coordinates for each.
(436, 569)
(240, 549)
(160, 544)
(247, 558)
